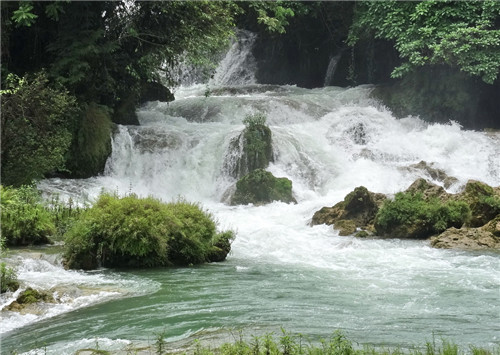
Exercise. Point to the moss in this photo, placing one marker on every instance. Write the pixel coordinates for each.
(142, 232)
(91, 145)
(33, 296)
(410, 215)
(484, 202)
(260, 187)
(253, 147)
(345, 227)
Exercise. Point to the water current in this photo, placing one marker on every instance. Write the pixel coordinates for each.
(281, 272)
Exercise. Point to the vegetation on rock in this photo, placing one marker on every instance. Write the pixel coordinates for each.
(252, 149)
(260, 187)
(410, 215)
(8, 276)
(143, 232)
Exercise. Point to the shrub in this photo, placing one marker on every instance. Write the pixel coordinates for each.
(36, 128)
(140, 232)
(25, 220)
(410, 215)
(256, 119)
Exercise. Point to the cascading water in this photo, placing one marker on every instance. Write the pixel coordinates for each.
(281, 272)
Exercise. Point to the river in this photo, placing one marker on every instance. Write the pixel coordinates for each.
(281, 272)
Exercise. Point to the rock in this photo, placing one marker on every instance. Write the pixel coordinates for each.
(358, 209)
(261, 187)
(434, 173)
(251, 150)
(466, 238)
(345, 227)
(28, 297)
(484, 202)
(428, 190)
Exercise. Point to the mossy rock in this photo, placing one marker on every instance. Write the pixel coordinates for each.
(428, 190)
(251, 150)
(345, 227)
(359, 206)
(483, 200)
(28, 297)
(261, 187)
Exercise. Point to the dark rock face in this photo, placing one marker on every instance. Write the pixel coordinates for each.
(357, 210)
(261, 187)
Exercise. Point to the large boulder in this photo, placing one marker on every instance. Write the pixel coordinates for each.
(358, 209)
(261, 187)
(484, 202)
(467, 238)
(252, 149)
(428, 190)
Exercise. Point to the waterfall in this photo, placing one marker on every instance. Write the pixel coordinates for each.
(330, 70)
(238, 66)
(327, 141)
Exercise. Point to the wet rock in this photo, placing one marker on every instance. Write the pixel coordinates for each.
(251, 150)
(345, 227)
(428, 190)
(261, 187)
(27, 298)
(466, 238)
(358, 209)
(434, 173)
(484, 202)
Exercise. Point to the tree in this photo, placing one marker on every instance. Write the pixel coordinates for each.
(462, 34)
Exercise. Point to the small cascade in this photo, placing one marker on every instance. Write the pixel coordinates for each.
(330, 70)
(239, 65)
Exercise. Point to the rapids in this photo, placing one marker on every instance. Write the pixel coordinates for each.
(281, 272)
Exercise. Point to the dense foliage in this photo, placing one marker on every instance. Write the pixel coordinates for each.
(413, 216)
(25, 218)
(132, 231)
(465, 34)
(37, 122)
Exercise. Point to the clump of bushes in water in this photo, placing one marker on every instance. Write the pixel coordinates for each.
(413, 216)
(143, 232)
(8, 276)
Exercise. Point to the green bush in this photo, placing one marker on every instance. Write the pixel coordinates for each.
(410, 215)
(37, 121)
(140, 232)
(25, 220)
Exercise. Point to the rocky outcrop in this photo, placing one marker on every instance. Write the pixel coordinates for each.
(467, 220)
(484, 202)
(261, 187)
(357, 210)
(466, 238)
(27, 298)
(434, 173)
(251, 150)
